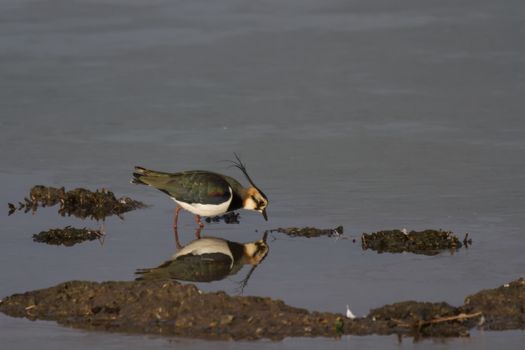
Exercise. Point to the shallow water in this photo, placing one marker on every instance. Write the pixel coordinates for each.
(365, 114)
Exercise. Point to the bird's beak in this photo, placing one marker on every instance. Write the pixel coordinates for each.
(264, 214)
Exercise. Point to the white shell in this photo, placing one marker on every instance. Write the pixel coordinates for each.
(349, 313)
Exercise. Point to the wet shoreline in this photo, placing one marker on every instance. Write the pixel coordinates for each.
(166, 307)
(156, 303)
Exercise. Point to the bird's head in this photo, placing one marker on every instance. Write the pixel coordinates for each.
(254, 198)
(255, 252)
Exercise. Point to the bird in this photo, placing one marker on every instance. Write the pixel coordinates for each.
(205, 193)
(208, 259)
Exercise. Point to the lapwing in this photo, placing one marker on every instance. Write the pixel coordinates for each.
(209, 259)
(204, 193)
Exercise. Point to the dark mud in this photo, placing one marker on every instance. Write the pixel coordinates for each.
(228, 218)
(309, 232)
(502, 308)
(427, 242)
(67, 236)
(425, 319)
(79, 202)
(170, 308)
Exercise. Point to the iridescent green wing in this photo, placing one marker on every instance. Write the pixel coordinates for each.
(197, 186)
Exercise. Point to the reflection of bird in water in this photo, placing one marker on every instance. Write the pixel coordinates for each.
(209, 259)
(204, 193)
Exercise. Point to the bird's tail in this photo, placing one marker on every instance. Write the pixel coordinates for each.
(157, 179)
(151, 274)
(154, 273)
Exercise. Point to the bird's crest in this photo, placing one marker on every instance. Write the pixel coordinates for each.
(239, 165)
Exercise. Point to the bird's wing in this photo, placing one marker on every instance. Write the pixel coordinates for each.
(191, 186)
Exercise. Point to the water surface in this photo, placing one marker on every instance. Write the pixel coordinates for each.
(366, 114)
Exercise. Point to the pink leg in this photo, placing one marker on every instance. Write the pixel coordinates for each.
(198, 232)
(175, 231)
(176, 216)
(177, 242)
(198, 221)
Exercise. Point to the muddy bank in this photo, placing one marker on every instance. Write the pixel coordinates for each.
(67, 236)
(78, 202)
(425, 319)
(427, 242)
(503, 308)
(170, 308)
(309, 232)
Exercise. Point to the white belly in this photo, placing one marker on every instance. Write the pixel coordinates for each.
(206, 209)
(206, 245)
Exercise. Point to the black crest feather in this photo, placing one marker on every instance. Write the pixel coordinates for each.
(239, 165)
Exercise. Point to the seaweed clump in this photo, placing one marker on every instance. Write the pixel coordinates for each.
(228, 218)
(427, 242)
(67, 236)
(78, 202)
(309, 232)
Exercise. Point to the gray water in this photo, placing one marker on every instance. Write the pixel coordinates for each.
(367, 114)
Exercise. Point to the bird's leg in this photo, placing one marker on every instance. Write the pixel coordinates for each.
(201, 225)
(198, 232)
(175, 231)
(198, 221)
(176, 217)
(177, 242)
